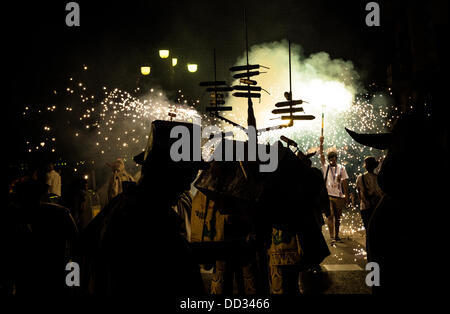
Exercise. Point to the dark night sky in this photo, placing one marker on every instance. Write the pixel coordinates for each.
(115, 38)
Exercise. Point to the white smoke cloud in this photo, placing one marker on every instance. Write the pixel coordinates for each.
(317, 79)
(329, 85)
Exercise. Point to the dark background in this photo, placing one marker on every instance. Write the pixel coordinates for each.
(116, 38)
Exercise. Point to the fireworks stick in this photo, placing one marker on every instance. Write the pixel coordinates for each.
(323, 118)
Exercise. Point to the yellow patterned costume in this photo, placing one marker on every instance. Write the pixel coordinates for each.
(284, 257)
(208, 224)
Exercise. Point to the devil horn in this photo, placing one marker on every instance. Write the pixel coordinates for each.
(378, 141)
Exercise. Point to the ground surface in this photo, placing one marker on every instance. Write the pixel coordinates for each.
(343, 272)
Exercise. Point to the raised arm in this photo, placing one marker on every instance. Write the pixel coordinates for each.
(322, 157)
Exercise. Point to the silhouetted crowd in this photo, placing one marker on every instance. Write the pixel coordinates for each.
(255, 231)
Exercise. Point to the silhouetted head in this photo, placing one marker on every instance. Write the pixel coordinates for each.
(80, 184)
(50, 167)
(28, 193)
(159, 170)
(370, 163)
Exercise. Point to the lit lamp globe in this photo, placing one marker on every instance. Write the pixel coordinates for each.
(174, 61)
(192, 67)
(164, 54)
(145, 70)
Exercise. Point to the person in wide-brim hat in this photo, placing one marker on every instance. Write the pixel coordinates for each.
(157, 154)
(137, 246)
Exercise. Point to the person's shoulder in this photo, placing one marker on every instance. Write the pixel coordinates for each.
(54, 207)
(359, 178)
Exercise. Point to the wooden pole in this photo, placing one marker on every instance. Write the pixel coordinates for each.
(323, 118)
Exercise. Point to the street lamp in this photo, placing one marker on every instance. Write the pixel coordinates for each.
(174, 61)
(192, 67)
(145, 70)
(164, 54)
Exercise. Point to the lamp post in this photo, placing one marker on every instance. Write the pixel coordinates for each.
(163, 54)
(167, 70)
(145, 70)
(192, 67)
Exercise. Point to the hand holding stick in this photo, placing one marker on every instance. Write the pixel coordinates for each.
(322, 157)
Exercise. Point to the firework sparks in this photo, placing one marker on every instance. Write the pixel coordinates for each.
(115, 123)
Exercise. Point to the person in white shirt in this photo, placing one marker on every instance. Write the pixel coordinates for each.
(120, 175)
(336, 180)
(53, 180)
(369, 192)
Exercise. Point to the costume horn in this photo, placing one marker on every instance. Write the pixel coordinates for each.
(378, 141)
(139, 159)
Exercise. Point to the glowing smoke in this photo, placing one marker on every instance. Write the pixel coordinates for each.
(317, 79)
(115, 123)
(329, 85)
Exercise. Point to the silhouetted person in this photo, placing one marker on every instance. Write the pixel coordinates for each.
(40, 239)
(369, 192)
(404, 237)
(53, 180)
(184, 210)
(322, 202)
(134, 245)
(76, 200)
(297, 245)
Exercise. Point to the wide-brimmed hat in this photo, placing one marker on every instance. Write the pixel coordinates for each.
(159, 145)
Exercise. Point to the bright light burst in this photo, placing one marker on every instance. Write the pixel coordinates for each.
(116, 124)
(122, 125)
(327, 85)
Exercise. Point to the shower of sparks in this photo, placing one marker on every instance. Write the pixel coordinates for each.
(114, 123)
(108, 124)
(122, 123)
